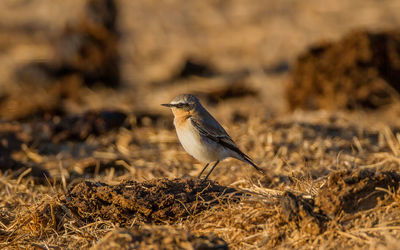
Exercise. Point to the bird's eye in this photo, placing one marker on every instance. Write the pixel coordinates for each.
(182, 105)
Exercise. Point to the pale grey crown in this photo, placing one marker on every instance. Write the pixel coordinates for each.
(185, 99)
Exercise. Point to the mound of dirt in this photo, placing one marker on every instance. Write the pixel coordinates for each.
(360, 71)
(154, 201)
(12, 139)
(79, 127)
(87, 49)
(85, 54)
(9, 144)
(72, 127)
(352, 193)
(158, 238)
(355, 191)
(297, 215)
(49, 215)
(303, 213)
(30, 99)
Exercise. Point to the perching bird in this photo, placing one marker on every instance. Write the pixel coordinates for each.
(201, 135)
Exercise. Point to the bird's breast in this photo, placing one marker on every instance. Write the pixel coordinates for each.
(201, 148)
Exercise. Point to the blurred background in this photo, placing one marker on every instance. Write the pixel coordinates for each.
(68, 57)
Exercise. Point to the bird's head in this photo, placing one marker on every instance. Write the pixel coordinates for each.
(182, 104)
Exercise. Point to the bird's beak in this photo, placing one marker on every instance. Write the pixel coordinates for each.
(168, 105)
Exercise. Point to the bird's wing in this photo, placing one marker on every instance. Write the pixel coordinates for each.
(217, 133)
(213, 131)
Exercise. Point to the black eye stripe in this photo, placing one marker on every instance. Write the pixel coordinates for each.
(181, 105)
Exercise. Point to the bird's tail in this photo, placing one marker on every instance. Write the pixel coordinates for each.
(240, 155)
(250, 161)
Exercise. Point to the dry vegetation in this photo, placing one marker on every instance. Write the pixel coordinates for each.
(331, 182)
(89, 162)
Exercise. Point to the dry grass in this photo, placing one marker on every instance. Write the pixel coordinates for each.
(301, 153)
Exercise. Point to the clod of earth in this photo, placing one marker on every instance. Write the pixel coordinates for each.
(349, 192)
(86, 49)
(360, 71)
(152, 201)
(303, 213)
(12, 139)
(355, 191)
(79, 127)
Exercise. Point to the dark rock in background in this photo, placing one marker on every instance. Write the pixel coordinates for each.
(87, 48)
(360, 71)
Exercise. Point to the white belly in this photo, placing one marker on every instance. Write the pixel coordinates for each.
(204, 150)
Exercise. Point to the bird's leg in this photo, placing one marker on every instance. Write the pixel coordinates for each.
(198, 177)
(216, 163)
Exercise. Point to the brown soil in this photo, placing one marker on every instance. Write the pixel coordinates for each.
(303, 213)
(158, 238)
(154, 201)
(12, 139)
(354, 191)
(79, 127)
(344, 194)
(295, 204)
(84, 53)
(162, 200)
(362, 70)
(87, 49)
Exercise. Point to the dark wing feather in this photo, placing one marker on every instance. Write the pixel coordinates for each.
(222, 138)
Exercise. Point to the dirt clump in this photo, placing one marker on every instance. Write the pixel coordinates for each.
(193, 67)
(79, 127)
(297, 215)
(303, 213)
(75, 128)
(9, 143)
(89, 47)
(86, 48)
(12, 140)
(360, 71)
(354, 191)
(39, 99)
(85, 53)
(158, 238)
(154, 201)
(341, 199)
(51, 215)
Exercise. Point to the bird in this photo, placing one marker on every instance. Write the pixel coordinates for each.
(201, 135)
